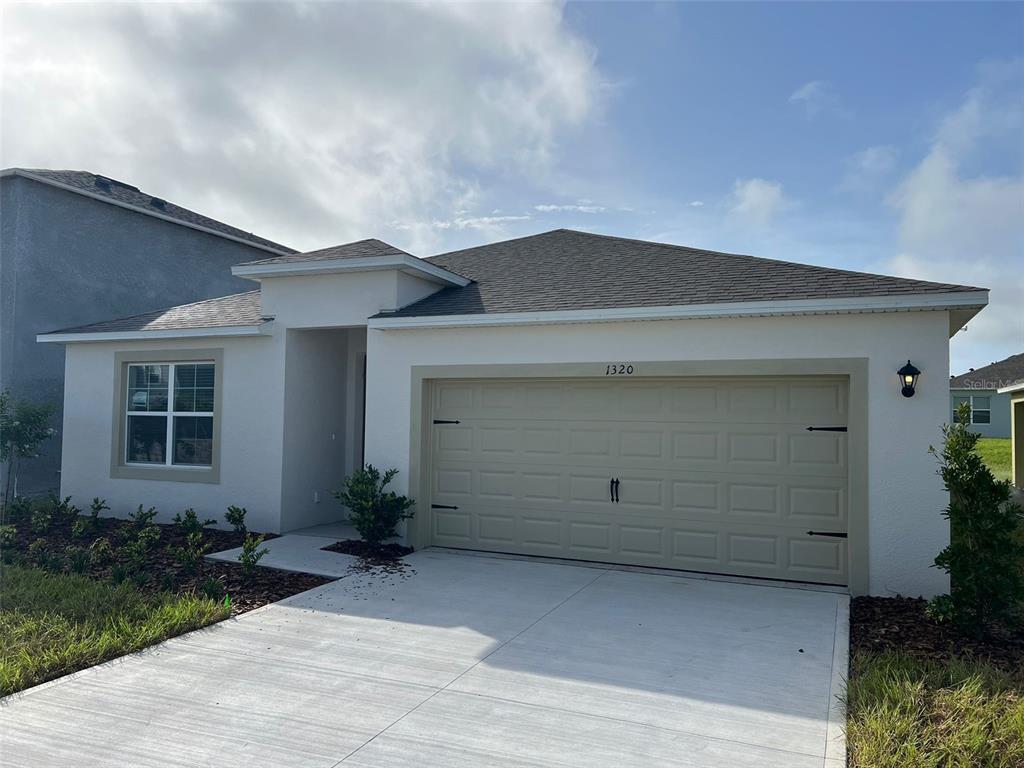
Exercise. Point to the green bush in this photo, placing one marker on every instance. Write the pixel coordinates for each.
(235, 517)
(64, 512)
(984, 555)
(101, 553)
(190, 523)
(191, 554)
(251, 554)
(42, 519)
(78, 559)
(374, 512)
(7, 534)
(97, 506)
(137, 550)
(142, 518)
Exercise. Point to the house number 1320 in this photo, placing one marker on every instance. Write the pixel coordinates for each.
(618, 369)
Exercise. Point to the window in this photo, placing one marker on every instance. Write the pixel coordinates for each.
(169, 414)
(981, 412)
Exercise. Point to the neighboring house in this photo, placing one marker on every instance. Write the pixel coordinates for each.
(76, 247)
(990, 409)
(1015, 393)
(567, 395)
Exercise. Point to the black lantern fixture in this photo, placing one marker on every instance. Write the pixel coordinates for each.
(908, 379)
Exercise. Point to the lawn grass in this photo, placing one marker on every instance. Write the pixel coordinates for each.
(904, 712)
(55, 623)
(995, 452)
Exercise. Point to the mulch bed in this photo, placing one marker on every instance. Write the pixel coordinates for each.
(163, 569)
(900, 624)
(385, 557)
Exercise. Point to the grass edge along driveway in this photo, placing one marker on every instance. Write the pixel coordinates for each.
(52, 624)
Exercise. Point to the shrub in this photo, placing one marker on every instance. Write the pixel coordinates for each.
(136, 550)
(64, 512)
(97, 506)
(101, 553)
(42, 519)
(39, 554)
(984, 555)
(235, 517)
(78, 559)
(7, 534)
(251, 554)
(142, 518)
(374, 512)
(81, 528)
(189, 522)
(191, 555)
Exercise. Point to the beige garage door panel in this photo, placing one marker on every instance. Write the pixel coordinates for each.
(715, 475)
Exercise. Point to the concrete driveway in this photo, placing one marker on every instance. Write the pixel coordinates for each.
(468, 661)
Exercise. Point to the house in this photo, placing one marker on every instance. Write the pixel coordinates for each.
(980, 388)
(567, 395)
(1015, 393)
(77, 247)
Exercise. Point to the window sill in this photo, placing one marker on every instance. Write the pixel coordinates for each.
(167, 473)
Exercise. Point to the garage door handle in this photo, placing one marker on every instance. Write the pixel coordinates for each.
(611, 489)
(615, 490)
(833, 534)
(442, 506)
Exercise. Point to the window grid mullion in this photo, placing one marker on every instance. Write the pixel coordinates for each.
(171, 381)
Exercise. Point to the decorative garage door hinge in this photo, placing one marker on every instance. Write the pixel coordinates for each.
(833, 534)
(818, 429)
(446, 421)
(442, 506)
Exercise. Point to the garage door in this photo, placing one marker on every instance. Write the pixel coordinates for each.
(716, 475)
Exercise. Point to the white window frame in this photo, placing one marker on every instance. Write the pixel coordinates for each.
(168, 414)
(970, 402)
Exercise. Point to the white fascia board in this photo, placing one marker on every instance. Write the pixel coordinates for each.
(1017, 387)
(404, 263)
(901, 303)
(226, 331)
(139, 209)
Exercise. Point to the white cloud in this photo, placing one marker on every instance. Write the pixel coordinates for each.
(486, 223)
(966, 227)
(818, 97)
(581, 207)
(696, 203)
(758, 201)
(869, 167)
(310, 123)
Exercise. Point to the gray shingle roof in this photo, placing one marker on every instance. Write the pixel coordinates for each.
(120, 192)
(236, 309)
(566, 269)
(992, 376)
(360, 249)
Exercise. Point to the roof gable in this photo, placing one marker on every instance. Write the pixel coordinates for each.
(360, 249)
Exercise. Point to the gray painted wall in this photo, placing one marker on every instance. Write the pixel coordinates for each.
(1000, 405)
(68, 260)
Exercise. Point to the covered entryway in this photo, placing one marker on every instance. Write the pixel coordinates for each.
(734, 475)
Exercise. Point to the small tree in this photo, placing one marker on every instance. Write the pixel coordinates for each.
(984, 556)
(23, 428)
(374, 512)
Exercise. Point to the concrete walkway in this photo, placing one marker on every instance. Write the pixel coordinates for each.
(468, 661)
(302, 551)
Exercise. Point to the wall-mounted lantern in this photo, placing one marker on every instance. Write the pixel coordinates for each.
(908, 379)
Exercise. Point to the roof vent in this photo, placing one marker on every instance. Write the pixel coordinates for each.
(157, 202)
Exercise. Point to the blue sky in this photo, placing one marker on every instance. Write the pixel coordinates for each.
(884, 137)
